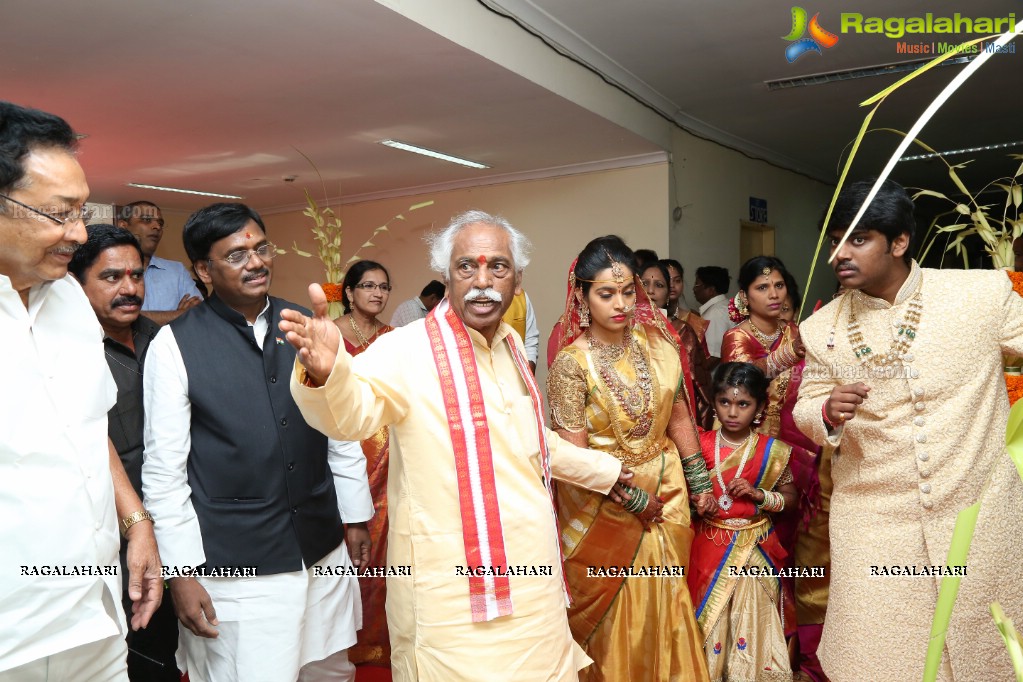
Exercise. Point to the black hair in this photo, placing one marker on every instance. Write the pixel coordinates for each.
(672, 263)
(23, 130)
(792, 288)
(645, 258)
(715, 277)
(126, 211)
(660, 266)
(354, 276)
(209, 225)
(890, 212)
(101, 238)
(434, 288)
(598, 255)
(740, 375)
(755, 267)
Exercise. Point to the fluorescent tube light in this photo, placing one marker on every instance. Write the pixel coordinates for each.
(184, 191)
(964, 150)
(429, 152)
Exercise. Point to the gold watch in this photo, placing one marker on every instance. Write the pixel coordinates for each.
(130, 520)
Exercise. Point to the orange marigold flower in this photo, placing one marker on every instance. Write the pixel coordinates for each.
(333, 292)
(1014, 383)
(1017, 281)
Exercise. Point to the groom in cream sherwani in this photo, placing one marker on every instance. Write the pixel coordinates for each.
(904, 372)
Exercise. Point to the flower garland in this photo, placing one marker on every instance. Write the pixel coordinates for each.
(333, 292)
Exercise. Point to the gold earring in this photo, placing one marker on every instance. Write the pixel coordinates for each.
(584, 317)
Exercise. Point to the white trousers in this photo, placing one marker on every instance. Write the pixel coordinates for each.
(103, 661)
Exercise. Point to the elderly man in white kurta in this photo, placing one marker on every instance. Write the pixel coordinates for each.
(470, 468)
(904, 373)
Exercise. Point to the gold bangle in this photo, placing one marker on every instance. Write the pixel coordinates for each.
(130, 520)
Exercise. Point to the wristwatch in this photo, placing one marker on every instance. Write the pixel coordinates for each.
(130, 520)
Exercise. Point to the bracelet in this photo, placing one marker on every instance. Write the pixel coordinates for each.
(133, 518)
(694, 469)
(637, 502)
(824, 414)
(773, 501)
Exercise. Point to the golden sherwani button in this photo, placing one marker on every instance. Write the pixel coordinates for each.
(921, 438)
(919, 407)
(925, 488)
(928, 504)
(918, 391)
(925, 473)
(919, 421)
(923, 456)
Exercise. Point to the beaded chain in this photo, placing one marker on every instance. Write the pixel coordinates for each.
(904, 334)
(636, 401)
(766, 340)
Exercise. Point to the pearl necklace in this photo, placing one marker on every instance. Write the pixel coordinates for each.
(903, 334)
(725, 500)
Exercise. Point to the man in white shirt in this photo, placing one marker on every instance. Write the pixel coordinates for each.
(170, 290)
(62, 486)
(416, 308)
(711, 291)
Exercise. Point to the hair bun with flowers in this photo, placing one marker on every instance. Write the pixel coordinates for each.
(738, 310)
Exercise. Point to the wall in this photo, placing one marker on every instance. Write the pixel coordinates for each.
(713, 185)
(558, 214)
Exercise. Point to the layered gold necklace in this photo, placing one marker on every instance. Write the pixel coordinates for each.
(363, 341)
(766, 340)
(636, 401)
(903, 332)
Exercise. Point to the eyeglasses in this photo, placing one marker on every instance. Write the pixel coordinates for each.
(239, 258)
(84, 214)
(372, 286)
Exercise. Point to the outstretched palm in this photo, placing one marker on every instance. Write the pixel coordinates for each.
(316, 338)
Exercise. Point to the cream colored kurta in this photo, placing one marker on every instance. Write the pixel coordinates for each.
(920, 449)
(433, 637)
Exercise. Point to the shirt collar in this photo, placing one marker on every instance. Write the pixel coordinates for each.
(706, 306)
(908, 288)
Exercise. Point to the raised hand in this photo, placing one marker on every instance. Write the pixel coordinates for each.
(316, 338)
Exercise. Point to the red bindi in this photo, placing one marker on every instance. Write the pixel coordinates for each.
(248, 236)
(127, 272)
(482, 260)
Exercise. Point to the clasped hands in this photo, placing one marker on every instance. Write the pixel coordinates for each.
(705, 503)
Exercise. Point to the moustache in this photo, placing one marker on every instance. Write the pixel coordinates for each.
(67, 249)
(125, 300)
(489, 293)
(262, 272)
(844, 265)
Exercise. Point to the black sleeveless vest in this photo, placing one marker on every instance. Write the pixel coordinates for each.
(261, 486)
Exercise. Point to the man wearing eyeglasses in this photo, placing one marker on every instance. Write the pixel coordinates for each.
(249, 499)
(170, 290)
(62, 485)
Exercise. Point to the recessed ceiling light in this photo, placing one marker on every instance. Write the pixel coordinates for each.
(184, 191)
(429, 152)
(964, 150)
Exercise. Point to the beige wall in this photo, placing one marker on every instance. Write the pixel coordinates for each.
(713, 186)
(558, 214)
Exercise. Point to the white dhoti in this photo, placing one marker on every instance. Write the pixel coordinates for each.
(272, 626)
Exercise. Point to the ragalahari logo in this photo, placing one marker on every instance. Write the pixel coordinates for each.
(819, 37)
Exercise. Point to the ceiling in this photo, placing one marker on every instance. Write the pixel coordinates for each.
(223, 96)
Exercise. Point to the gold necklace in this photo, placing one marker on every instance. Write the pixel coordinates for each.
(766, 340)
(363, 341)
(636, 401)
(904, 333)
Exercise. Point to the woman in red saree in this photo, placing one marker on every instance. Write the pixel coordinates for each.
(616, 385)
(737, 597)
(366, 289)
(764, 339)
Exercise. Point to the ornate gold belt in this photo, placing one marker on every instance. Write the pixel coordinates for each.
(744, 532)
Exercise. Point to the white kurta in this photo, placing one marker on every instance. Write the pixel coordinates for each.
(920, 449)
(395, 383)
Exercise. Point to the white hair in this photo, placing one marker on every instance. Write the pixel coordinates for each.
(443, 243)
